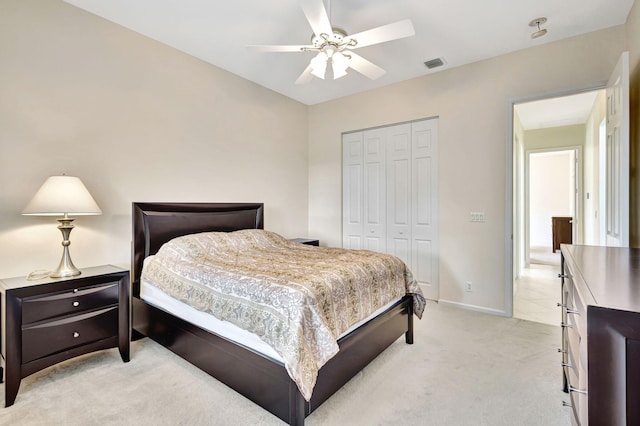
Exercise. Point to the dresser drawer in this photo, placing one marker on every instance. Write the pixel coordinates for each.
(51, 305)
(46, 338)
(578, 406)
(572, 363)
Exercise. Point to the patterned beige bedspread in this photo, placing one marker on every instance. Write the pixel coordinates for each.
(296, 298)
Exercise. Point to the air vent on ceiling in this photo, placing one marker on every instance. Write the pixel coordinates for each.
(434, 63)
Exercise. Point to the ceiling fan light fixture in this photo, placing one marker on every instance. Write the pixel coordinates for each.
(319, 65)
(339, 64)
(331, 41)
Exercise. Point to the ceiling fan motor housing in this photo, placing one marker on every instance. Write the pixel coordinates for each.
(337, 39)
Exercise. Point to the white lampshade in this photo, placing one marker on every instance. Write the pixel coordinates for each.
(60, 195)
(339, 64)
(319, 65)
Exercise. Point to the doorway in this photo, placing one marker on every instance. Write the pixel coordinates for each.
(598, 222)
(551, 169)
(552, 179)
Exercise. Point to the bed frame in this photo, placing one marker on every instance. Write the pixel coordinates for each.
(260, 378)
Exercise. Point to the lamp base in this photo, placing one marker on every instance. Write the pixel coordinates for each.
(66, 268)
(64, 272)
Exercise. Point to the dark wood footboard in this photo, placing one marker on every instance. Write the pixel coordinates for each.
(261, 379)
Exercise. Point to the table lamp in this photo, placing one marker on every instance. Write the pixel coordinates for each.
(63, 196)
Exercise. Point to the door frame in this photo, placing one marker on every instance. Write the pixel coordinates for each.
(511, 178)
(577, 186)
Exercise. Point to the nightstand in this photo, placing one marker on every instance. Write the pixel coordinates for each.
(50, 320)
(307, 241)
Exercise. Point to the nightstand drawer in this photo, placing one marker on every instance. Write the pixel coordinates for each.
(46, 338)
(39, 308)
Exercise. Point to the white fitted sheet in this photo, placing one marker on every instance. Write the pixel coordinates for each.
(160, 299)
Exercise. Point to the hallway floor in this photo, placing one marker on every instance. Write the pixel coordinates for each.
(537, 290)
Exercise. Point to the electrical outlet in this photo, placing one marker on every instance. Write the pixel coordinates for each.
(469, 286)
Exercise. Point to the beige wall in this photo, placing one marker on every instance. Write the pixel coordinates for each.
(136, 121)
(550, 139)
(139, 121)
(472, 102)
(550, 194)
(555, 137)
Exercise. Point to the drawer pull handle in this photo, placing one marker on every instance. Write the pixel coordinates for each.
(566, 325)
(76, 334)
(564, 276)
(76, 303)
(576, 390)
(573, 311)
(75, 290)
(566, 404)
(564, 364)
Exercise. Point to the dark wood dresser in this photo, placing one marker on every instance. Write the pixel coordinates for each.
(601, 334)
(50, 320)
(562, 231)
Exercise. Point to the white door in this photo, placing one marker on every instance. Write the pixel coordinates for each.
(399, 192)
(352, 194)
(390, 196)
(617, 155)
(424, 206)
(374, 190)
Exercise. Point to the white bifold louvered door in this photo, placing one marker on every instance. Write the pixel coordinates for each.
(374, 182)
(352, 195)
(390, 195)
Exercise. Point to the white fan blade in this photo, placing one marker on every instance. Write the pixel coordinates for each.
(317, 16)
(365, 67)
(277, 48)
(394, 31)
(306, 76)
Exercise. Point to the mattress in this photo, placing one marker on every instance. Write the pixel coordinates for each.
(156, 297)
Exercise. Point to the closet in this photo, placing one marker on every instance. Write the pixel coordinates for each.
(390, 195)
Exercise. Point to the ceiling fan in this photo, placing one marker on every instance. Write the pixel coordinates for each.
(336, 46)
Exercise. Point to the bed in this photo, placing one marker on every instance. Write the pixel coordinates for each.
(258, 375)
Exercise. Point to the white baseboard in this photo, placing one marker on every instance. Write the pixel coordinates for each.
(473, 308)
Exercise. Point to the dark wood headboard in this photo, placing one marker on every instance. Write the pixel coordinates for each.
(156, 223)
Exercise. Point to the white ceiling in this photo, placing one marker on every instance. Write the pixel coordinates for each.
(556, 112)
(459, 31)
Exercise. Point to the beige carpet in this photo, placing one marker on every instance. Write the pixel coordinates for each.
(465, 368)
